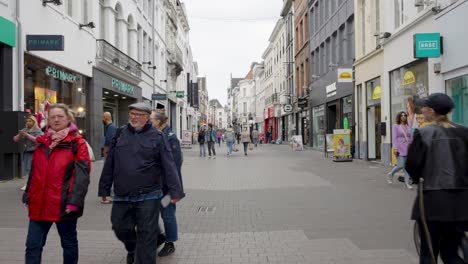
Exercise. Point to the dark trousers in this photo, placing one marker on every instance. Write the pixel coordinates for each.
(37, 236)
(211, 148)
(446, 238)
(246, 145)
(136, 225)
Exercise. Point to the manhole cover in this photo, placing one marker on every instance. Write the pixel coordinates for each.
(206, 209)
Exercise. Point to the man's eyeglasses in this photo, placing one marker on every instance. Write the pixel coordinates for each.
(134, 114)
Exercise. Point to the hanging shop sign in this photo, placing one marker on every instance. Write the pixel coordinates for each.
(345, 75)
(331, 90)
(159, 97)
(180, 94)
(7, 32)
(61, 75)
(427, 45)
(287, 108)
(45, 42)
(123, 87)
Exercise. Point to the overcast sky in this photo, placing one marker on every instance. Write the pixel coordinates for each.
(226, 36)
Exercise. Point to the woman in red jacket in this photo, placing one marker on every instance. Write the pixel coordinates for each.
(57, 186)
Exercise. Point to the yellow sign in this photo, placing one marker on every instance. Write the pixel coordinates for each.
(345, 75)
(409, 78)
(342, 142)
(377, 93)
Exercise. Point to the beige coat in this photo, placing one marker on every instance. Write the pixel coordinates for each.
(245, 137)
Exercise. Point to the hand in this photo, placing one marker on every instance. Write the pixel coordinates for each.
(395, 151)
(23, 134)
(175, 200)
(67, 211)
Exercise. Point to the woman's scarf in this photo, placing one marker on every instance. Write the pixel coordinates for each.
(57, 136)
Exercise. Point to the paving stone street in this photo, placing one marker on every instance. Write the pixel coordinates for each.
(272, 206)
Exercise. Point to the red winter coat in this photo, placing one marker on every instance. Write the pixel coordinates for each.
(58, 177)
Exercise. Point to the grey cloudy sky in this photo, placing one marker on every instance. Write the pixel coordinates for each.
(226, 36)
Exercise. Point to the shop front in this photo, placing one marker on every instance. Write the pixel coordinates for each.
(271, 124)
(46, 83)
(457, 88)
(7, 44)
(109, 94)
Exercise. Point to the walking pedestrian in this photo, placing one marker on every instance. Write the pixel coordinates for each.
(140, 160)
(219, 134)
(210, 138)
(27, 136)
(255, 137)
(238, 137)
(57, 186)
(230, 137)
(168, 213)
(201, 141)
(401, 137)
(245, 137)
(109, 133)
(438, 156)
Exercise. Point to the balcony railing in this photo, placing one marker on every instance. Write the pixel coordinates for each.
(113, 56)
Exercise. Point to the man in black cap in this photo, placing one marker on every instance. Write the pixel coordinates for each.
(139, 162)
(438, 155)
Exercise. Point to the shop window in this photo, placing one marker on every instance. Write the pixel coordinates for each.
(407, 84)
(458, 89)
(318, 127)
(46, 84)
(360, 121)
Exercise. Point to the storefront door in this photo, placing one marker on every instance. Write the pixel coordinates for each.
(374, 138)
(112, 108)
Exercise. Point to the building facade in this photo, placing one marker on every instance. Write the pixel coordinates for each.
(331, 59)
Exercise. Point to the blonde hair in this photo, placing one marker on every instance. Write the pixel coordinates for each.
(441, 120)
(32, 118)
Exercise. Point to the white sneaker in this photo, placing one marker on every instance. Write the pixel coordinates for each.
(23, 188)
(389, 178)
(408, 186)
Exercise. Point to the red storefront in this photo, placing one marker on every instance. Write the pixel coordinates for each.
(271, 123)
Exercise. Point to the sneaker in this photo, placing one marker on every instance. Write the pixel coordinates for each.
(23, 188)
(130, 258)
(408, 186)
(161, 239)
(390, 178)
(167, 250)
(214, 157)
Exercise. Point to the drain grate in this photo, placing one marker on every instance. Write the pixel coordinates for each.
(206, 209)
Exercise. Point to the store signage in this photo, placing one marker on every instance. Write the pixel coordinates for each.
(180, 94)
(7, 32)
(61, 75)
(287, 108)
(331, 90)
(122, 86)
(377, 93)
(159, 97)
(45, 42)
(409, 78)
(427, 45)
(345, 75)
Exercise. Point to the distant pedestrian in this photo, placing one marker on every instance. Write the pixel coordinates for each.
(401, 139)
(57, 186)
(219, 134)
(238, 137)
(210, 138)
(140, 160)
(268, 137)
(438, 155)
(168, 214)
(109, 133)
(27, 136)
(201, 141)
(230, 137)
(255, 137)
(245, 138)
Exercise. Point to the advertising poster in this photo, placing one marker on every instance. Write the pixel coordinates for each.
(186, 137)
(342, 144)
(296, 142)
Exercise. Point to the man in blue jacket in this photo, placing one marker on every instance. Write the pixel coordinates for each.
(139, 163)
(168, 213)
(210, 139)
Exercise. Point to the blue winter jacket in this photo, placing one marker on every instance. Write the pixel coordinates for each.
(214, 137)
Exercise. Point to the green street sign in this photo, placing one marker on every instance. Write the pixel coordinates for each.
(180, 94)
(427, 45)
(159, 97)
(7, 32)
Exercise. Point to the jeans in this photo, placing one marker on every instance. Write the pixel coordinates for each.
(211, 148)
(445, 238)
(37, 236)
(246, 145)
(168, 215)
(219, 142)
(136, 226)
(27, 162)
(202, 149)
(255, 141)
(229, 144)
(401, 160)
